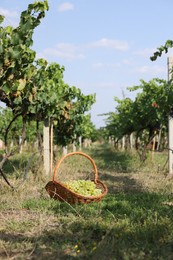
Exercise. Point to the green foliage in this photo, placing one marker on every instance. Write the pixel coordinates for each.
(6, 117)
(86, 128)
(149, 110)
(73, 122)
(33, 88)
(161, 49)
(16, 56)
(15, 132)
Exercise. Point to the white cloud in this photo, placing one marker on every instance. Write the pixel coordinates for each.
(65, 51)
(151, 70)
(65, 7)
(8, 14)
(112, 44)
(11, 17)
(70, 51)
(100, 65)
(145, 52)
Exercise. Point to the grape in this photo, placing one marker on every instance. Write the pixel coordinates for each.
(83, 187)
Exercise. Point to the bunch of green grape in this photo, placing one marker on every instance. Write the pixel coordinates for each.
(84, 187)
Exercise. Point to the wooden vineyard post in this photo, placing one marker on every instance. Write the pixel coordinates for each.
(123, 143)
(80, 142)
(159, 138)
(131, 141)
(153, 145)
(170, 123)
(46, 146)
(51, 146)
(154, 141)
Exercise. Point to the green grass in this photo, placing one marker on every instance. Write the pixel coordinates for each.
(134, 221)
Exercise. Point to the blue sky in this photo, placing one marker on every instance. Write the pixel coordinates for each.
(104, 45)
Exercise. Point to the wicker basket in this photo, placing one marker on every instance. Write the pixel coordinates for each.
(59, 191)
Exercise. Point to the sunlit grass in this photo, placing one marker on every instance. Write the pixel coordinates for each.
(134, 221)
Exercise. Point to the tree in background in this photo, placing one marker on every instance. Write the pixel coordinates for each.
(145, 115)
(32, 89)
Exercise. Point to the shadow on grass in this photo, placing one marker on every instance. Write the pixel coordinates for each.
(19, 164)
(114, 169)
(120, 182)
(15, 163)
(107, 158)
(123, 226)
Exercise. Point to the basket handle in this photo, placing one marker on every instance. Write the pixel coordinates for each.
(79, 153)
